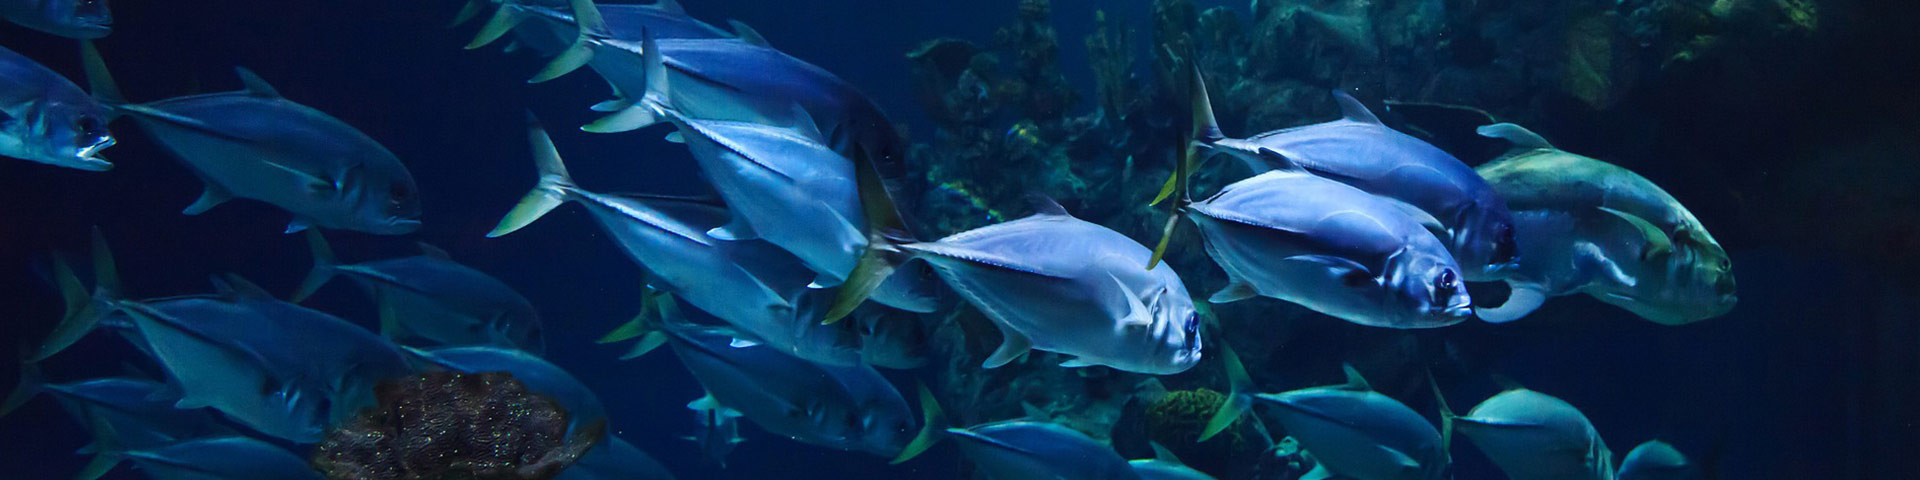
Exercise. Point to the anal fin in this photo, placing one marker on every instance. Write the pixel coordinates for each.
(213, 196)
(1235, 291)
(1012, 346)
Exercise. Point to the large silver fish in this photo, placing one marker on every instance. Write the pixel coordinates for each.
(224, 458)
(432, 298)
(77, 19)
(1534, 436)
(1356, 432)
(753, 285)
(46, 118)
(256, 144)
(1588, 226)
(133, 413)
(1021, 449)
(1332, 248)
(848, 408)
(724, 79)
(548, 27)
(1057, 283)
(1435, 188)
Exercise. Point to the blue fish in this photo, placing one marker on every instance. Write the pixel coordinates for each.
(552, 28)
(430, 297)
(77, 19)
(1435, 188)
(224, 458)
(1534, 436)
(1588, 226)
(46, 118)
(133, 413)
(1358, 433)
(256, 144)
(615, 459)
(1658, 460)
(1021, 449)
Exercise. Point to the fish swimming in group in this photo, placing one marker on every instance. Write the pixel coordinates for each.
(1356, 432)
(134, 413)
(256, 144)
(222, 458)
(552, 28)
(718, 429)
(1425, 183)
(1033, 449)
(1534, 436)
(46, 118)
(752, 285)
(431, 298)
(76, 19)
(723, 80)
(1588, 226)
(848, 408)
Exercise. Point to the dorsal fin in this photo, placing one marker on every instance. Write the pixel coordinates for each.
(433, 251)
(1351, 109)
(1507, 383)
(670, 6)
(255, 85)
(1519, 136)
(1044, 205)
(1355, 382)
(746, 33)
(233, 285)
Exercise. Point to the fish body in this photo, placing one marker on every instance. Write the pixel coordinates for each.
(1534, 436)
(719, 429)
(1360, 151)
(1040, 450)
(848, 408)
(224, 458)
(273, 366)
(1332, 248)
(615, 459)
(1057, 283)
(256, 144)
(1657, 460)
(1588, 226)
(1358, 433)
(139, 412)
(540, 376)
(432, 298)
(76, 19)
(46, 118)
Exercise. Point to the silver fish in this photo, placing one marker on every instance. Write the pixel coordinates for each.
(1332, 248)
(848, 408)
(256, 144)
(1657, 460)
(224, 458)
(76, 19)
(1020, 449)
(719, 429)
(46, 118)
(432, 298)
(1356, 432)
(1588, 226)
(1431, 185)
(724, 79)
(133, 413)
(1534, 436)
(1057, 283)
(753, 285)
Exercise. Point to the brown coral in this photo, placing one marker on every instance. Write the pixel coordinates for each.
(452, 426)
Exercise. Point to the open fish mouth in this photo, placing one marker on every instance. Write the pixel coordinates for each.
(1457, 311)
(89, 157)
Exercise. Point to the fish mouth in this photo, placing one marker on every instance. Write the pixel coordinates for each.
(403, 225)
(1457, 311)
(89, 156)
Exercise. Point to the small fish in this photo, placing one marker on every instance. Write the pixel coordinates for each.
(1657, 460)
(1534, 436)
(1331, 248)
(752, 285)
(724, 79)
(1029, 449)
(1437, 190)
(46, 118)
(552, 28)
(719, 429)
(1057, 283)
(134, 413)
(432, 298)
(1592, 227)
(1356, 432)
(224, 458)
(256, 144)
(848, 408)
(76, 19)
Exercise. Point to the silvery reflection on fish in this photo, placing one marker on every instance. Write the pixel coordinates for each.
(77, 19)
(1061, 284)
(548, 28)
(1534, 436)
(1588, 226)
(1428, 184)
(1356, 432)
(1019, 449)
(256, 144)
(46, 118)
(429, 299)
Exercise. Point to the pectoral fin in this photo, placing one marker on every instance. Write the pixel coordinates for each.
(1350, 273)
(1137, 313)
(1012, 346)
(1422, 217)
(736, 230)
(1657, 241)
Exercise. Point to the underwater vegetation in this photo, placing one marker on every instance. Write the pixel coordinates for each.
(448, 425)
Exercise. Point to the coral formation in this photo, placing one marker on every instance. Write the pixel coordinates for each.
(453, 426)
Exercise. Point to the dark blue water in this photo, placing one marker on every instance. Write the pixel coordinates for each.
(1808, 179)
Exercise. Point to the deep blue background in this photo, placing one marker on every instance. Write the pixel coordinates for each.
(1813, 376)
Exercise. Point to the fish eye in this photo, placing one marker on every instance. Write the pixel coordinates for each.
(1192, 328)
(1448, 281)
(1504, 248)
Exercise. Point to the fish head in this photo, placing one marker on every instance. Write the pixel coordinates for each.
(87, 19)
(72, 135)
(1485, 241)
(1692, 281)
(1429, 285)
(1174, 331)
(884, 431)
(386, 202)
